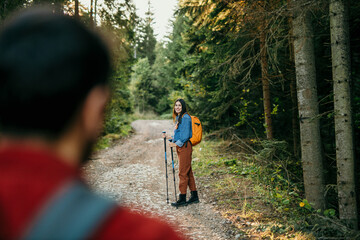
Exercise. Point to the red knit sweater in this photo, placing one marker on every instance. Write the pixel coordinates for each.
(29, 178)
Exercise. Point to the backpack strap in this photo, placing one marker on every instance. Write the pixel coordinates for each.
(75, 214)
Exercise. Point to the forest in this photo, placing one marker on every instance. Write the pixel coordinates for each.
(278, 80)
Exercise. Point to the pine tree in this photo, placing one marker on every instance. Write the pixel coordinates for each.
(146, 40)
(345, 158)
(311, 154)
(76, 8)
(264, 71)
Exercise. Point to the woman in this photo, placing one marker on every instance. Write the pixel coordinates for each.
(182, 134)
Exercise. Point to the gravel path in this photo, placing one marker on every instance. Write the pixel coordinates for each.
(133, 173)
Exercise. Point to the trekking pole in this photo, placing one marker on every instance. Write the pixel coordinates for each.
(167, 188)
(172, 160)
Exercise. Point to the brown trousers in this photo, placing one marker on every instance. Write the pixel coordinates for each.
(186, 175)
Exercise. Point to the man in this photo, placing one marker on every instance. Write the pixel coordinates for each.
(53, 91)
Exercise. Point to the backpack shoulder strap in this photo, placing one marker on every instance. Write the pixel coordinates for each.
(75, 214)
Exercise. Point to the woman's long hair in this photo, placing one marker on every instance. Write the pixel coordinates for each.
(183, 109)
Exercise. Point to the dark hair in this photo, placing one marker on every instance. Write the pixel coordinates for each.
(48, 64)
(183, 109)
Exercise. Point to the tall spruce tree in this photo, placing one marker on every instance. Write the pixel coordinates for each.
(311, 153)
(146, 39)
(341, 68)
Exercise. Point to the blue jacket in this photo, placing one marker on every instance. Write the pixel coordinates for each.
(184, 132)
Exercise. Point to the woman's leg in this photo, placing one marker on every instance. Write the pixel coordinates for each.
(192, 184)
(194, 198)
(185, 172)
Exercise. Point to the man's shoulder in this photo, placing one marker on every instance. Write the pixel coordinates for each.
(127, 224)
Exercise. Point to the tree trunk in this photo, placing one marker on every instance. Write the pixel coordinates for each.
(265, 84)
(76, 8)
(91, 13)
(340, 54)
(308, 106)
(295, 119)
(95, 12)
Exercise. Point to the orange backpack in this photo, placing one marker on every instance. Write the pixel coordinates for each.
(196, 130)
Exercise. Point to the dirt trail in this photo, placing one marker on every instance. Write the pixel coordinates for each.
(133, 173)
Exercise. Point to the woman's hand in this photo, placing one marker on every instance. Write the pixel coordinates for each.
(164, 135)
(171, 144)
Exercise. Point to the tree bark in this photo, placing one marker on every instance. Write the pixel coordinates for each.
(91, 13)
(76, 8)
(265, 84)
(340, 54)
(308, 106)
(95, 12)
(295, 119)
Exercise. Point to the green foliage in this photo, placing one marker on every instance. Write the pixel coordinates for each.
(214, 66)
(6, 7)
(118, 21)
(330, 212)
(265, 187)
(144, 91)
(146, 41)
(213, 57)
(102, 143)
(245, 185)
(9, 6)
(116, 123)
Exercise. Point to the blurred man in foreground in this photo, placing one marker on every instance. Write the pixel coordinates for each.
(53, 91)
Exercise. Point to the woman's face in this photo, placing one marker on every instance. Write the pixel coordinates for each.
(178, 108)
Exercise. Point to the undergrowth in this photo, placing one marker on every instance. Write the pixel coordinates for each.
(258, 186)
(115, 127)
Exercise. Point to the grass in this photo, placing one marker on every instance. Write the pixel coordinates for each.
(233, 182)
(107, 140)
(257, 185)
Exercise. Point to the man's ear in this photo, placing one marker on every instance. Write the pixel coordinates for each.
(93, 111)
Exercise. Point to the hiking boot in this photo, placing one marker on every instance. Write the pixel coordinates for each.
(180, 202)
(193, 198)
